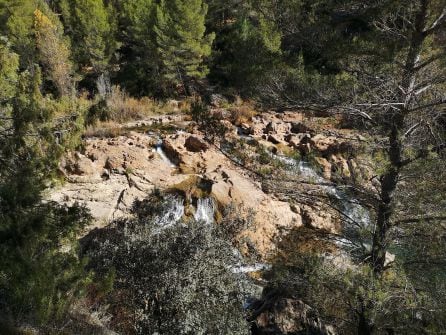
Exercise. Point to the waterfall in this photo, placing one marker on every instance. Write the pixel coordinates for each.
(205, 211)
(308, 172)
(241, 267)
(355, 213)
(162, 154)
(250, 268)
(171, 215)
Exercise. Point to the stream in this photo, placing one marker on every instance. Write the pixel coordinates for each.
(355, 216)
(160, 151)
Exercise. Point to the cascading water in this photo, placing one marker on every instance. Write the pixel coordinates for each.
(162, 154)
(250, 268)
(172, 215)
(205, 211)
(350, 207)
(242, 267)
(354, 214)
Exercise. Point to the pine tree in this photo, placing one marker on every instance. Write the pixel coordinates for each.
(40, 272)
(17, 26)
(181, 40)
(90, 24)
(38, 280)
(139, 67)
(9, 63)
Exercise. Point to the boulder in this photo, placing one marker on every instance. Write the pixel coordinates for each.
(196, 144)
(296, 140)
(341, 165)
(320, 220)
(245, 129)
(217, 100)
(299, 127)
(288, 316)
(83, 166)
(326, 167)
(328, 145)
(277, 127)
(276, 138)
(323, 143)
(257, 128)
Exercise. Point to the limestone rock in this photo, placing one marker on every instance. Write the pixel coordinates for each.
(277, 127)
(321, 220)
(218, 100)
(195, 144)
(116, 172)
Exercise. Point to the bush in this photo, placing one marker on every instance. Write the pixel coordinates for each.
(123, 107)
(242, 114)
(176, 278)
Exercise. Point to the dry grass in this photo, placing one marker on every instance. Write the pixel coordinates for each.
(123, 107)
(108, 129)
(242, 114)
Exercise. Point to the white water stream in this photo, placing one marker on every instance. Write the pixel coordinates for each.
(250, 268)
(350, 207)
(205, 211)
(159, 150)
(171, 215)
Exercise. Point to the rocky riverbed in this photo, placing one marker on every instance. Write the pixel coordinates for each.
(110, 173)
(281, 174)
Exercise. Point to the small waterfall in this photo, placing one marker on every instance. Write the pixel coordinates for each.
(205, 211)
(354, 212)
(162, 154)
(171, 215)
(241, 267)
(309, 173)
(250, 268)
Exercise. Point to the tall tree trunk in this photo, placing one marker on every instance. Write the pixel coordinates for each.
(364, 327)
(389, 180)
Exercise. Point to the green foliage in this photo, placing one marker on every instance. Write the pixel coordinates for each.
(246, 54)
(346, 295)
(208, 123)
(9, 63)
(18, 25)
(54, 53)
(181, 39)
(40, 272)
(139, 71)
(91, 27)
(176, 278)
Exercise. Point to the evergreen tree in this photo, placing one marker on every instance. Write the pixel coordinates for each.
(139, 63)
(181, 41)
(40, 273)
(91, 26)
(32, 26)
(38, 279)
(17, 26)
(9, 63)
